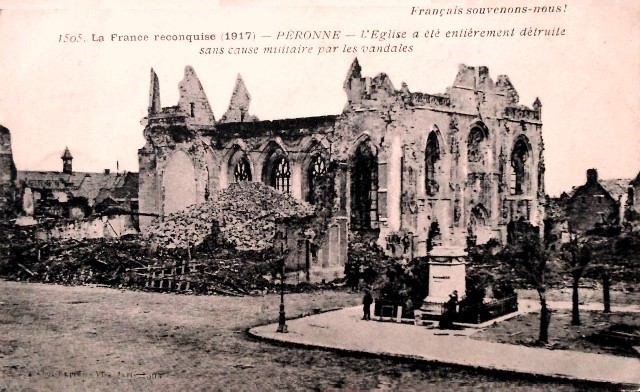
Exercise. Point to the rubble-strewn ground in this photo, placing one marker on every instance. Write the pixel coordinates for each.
(119, 339)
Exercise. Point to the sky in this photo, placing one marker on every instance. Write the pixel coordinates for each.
(91, 96)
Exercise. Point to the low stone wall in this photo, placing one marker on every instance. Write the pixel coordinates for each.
(98, 227)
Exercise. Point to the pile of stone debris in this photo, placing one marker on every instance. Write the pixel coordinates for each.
(245, 214)
(237, 259)
(100, 261)
(128, 262)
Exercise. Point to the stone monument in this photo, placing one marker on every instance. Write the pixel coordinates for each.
(446, 273)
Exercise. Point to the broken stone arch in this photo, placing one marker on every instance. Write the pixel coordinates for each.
(363, 174)
(441, 141)
(213, 173)
(313, 143)
(267, 149)
(314, 163)
(276, 166)
(433, 161)
(479, 226)
(479, 216)
(478, 143)
(521, 166)
(316, 178)
(364, 137)
(239, 167)
(234, 151)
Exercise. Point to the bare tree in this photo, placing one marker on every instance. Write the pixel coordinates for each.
(527, 257)
(577, 254)
(606, 287)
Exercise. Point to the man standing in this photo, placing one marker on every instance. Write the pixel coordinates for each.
(366, 302)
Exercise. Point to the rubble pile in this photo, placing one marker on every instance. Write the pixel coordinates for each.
(15, 239)
(222, 247)
(233, 273)
(99, 261)
(127, 262)
(245, 214)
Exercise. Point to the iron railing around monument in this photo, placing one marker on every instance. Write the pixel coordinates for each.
(474, 313)
(389, 309)
(466, 311)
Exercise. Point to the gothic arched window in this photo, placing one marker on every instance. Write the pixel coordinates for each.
(432, 156)
(364, 188)
(479, 217)
(475, 145)
(280, 174)
(434, 237)
(316, 175)
(242, 171)
(519, 160)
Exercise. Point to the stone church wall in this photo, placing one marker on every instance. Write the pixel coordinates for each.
(425, 168)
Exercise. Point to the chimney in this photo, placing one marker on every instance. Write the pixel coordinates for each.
(592, 176)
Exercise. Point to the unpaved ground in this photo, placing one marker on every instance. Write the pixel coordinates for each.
(524, 329)
(88, 338)
(587, 296)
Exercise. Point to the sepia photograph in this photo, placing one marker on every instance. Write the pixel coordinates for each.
(265, 195)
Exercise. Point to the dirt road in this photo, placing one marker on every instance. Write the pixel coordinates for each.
(92, 338)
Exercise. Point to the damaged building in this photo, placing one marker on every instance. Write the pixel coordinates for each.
(596, 205)
(79, 204)
(632, 213)
(409, 170)
(8, 174)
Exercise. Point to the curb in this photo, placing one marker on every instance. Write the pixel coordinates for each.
(501, 373)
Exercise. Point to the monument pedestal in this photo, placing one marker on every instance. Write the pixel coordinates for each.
(446, 273)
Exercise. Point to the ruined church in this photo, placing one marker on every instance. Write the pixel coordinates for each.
(410, 170)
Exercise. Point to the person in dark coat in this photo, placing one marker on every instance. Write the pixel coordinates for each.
(453, 302)
(366, 305)
(450, 310)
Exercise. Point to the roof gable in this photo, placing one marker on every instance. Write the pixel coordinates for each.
(617, 188)
(590, 188)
